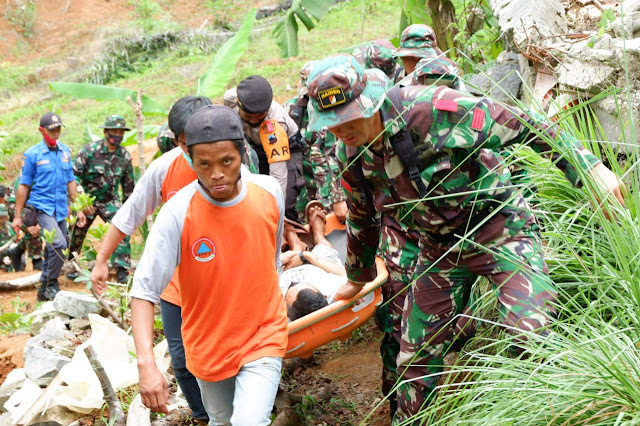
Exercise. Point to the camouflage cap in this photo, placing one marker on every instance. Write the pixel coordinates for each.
(360, 52)
(418, 41)
(3, 210)
(340, 90)
(304, 77)
(165, 138)
(115, 122)
(380, 55)
(439, 71)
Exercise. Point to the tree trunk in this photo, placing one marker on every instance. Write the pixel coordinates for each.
(443, 14)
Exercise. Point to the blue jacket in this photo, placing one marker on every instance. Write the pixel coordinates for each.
(48, 173)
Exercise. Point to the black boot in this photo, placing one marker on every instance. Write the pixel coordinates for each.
(121, 275)
(53, 288)
(37, 264)
(42, 292)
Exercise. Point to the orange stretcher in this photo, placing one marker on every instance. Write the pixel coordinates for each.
(339, 319)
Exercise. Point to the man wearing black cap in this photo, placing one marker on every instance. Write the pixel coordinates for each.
(272, 133)
(221, 236)
(47, 182)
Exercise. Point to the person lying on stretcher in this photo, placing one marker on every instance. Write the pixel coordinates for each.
(311, 278)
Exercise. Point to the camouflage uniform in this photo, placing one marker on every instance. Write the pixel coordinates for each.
(416, 41)
(33, 246)
(472, 222)
(319, 164)
(377, 54)
(10, 258)
(165, 139)
(101, 173)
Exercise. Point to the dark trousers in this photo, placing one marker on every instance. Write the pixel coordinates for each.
(172, 324)
(295, 182)
(53, 256)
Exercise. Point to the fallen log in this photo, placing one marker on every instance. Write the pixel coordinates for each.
(20, 283)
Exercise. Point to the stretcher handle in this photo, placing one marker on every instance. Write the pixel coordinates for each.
(341, 305)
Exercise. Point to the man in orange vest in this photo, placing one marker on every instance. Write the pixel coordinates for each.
(234, 344)
(162, 180)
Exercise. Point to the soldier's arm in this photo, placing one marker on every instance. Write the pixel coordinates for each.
(80, 165)
(363, 228)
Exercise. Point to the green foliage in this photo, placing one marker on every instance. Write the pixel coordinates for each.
(22, 14)
(15, 322)
(479, 47)
(148, 131)
(413, 12)
(146, 13)
(88, 136)
(309, 12)
(50, 235)
(102, 93)
(213, 82)
(82, 201)
(606, 18)
(14, 77)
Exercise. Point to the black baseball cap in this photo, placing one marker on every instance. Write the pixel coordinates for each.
(254, 94)
(213, 123)
(50, 120)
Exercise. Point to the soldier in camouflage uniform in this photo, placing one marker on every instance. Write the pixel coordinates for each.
(31, 241)
(439, 71)
(417, 41)
(378, 54)
(319, 164)
(165, 139)
(102, 168)
(10, 254)
(471, 220)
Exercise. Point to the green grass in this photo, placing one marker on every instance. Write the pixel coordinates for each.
(174, 74)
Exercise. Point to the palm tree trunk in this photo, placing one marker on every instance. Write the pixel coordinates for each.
(443, 14)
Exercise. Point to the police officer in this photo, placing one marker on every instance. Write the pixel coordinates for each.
(455, 193)
(47, 182)
(272, 134)
(103, 168)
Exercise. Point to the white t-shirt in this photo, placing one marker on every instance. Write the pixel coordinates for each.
(327, 283)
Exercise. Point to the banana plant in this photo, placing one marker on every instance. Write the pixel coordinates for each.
(308, 12)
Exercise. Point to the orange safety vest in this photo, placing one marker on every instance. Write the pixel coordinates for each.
(275, 141)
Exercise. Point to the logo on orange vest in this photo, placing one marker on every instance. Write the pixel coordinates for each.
(203, 250)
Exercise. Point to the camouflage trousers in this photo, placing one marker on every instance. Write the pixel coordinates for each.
(32, 245)
(121, 255)
(513, 263)
(399, 249)
(317, 181)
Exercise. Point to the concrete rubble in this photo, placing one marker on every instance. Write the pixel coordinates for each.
(584, 64)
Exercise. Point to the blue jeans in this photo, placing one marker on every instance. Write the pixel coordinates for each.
(53, 256)
(245, 399)
(172, 323)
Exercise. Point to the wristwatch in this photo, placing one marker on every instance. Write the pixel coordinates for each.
(302, 258)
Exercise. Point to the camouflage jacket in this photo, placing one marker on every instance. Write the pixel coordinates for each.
(6, 233)
(320, 146)
(102, 173)
(458, 138)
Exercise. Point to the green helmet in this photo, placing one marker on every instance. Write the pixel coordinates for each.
(165, 138)
(115, 122)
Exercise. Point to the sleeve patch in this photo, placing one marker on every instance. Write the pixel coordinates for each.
(477, 122)
(446, 105)
(345, 185)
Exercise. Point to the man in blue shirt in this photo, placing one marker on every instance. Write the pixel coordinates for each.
(46, 178)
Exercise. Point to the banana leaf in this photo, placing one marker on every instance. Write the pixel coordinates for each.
(309, 12)
(88, 136)
(107, 93)
(213, 82)
(148, 130)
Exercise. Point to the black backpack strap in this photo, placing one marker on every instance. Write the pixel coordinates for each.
(403, 144)
(355, 168)
(299, 110)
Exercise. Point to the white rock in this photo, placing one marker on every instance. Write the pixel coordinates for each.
(76, 305)
(22, 400)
